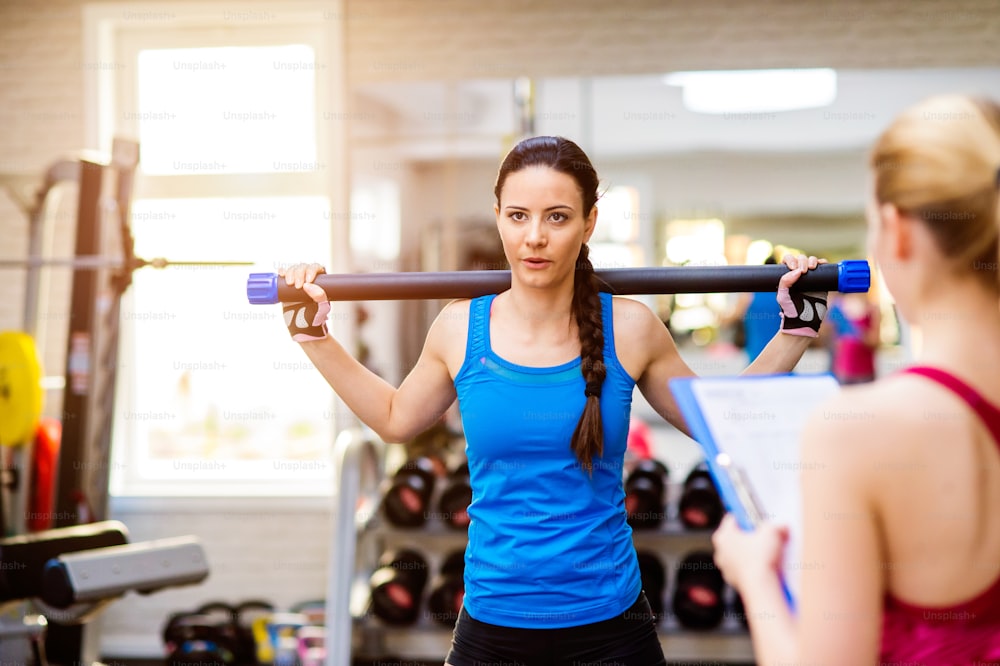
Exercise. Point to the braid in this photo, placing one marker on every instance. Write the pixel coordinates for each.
(588, 438)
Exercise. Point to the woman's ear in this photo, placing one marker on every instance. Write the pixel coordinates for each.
(897, 230)
(590, 224)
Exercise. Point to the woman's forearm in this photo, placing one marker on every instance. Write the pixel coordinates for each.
(772, 625)
(364, 392)
(781, 354)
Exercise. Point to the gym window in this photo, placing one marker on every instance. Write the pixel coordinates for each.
(213, 398)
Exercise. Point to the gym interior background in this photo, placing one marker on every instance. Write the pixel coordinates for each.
(368, 139)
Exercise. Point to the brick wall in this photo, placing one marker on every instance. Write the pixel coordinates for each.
(41, 79)
(397, 39)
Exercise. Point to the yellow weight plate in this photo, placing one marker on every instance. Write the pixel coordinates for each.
(21, 392)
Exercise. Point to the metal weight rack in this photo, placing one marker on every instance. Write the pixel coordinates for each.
(101, 266)
(100, 275)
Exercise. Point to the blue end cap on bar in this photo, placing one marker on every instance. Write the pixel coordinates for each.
(854, 276)
(262, 288)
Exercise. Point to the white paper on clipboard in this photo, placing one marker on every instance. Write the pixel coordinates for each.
(750, 428)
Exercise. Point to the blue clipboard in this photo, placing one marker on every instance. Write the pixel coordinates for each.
(735, 489)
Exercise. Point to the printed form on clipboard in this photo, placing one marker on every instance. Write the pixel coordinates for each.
(750, 428)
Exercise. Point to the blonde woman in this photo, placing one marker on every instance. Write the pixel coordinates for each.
(901, 477)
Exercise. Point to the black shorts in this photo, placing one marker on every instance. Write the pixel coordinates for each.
(628, 639)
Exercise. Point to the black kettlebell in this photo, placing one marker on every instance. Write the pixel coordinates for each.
(453, 505)
(654, 580)
(408, 498)
(397, 586)
(645, 494)
(698, 588)
(700, 507)
(206, 638)
(448, 590)
(246, 612)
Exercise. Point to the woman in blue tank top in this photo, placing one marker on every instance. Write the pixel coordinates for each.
(544, 374)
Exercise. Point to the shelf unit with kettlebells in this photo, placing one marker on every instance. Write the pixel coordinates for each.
(391, 616)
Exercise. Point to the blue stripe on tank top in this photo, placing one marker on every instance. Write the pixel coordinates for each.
(523, 374)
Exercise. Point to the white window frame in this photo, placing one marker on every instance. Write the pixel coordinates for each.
(113, 36)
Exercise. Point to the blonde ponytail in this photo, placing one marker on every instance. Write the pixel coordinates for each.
(938, 161)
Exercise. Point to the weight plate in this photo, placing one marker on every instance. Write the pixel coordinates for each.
(21, 394)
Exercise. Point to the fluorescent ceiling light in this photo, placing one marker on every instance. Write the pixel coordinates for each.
(755, 90)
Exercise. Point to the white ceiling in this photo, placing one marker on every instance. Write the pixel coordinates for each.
(636, 116)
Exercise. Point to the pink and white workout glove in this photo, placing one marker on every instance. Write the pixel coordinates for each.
(306, 321)
(801, 313)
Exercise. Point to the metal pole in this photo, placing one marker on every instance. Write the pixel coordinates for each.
(98, 261)
(846, 276)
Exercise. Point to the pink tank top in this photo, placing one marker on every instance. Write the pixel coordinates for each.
(853, 360)
(964, 633)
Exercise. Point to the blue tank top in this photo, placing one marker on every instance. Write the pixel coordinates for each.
(761, 322)
(549, 545)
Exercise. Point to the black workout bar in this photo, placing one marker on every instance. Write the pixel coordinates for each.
(845, 276)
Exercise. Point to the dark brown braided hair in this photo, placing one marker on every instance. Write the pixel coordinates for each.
(566, 157)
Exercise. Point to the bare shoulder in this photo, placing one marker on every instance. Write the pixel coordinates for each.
(448, 334)
(634, 318)
(640, 336)
(454, 312)
(878, 422)
(637, 328)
